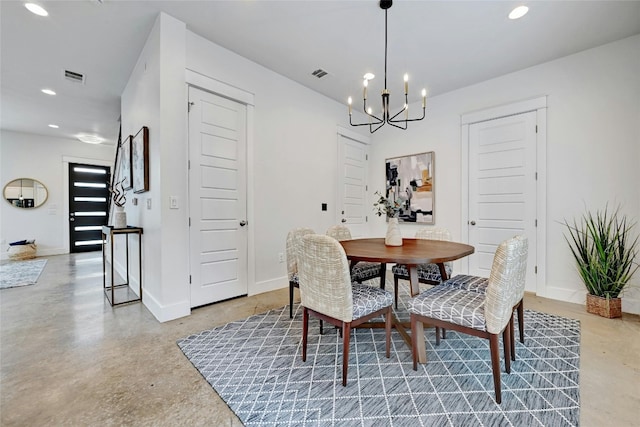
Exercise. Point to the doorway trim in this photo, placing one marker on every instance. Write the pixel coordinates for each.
(539, 105)
(209, 84)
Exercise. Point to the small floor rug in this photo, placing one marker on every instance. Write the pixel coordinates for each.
(255, 366)
(20, 273)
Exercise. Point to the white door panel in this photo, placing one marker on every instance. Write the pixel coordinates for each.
(353, 159)
(502, 188)
(217, 187)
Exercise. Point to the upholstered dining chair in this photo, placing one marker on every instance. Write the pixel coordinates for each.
(479, 284)
(427, 273)
(293, 238)
(483, 315)
(362, 270)
(326, 292)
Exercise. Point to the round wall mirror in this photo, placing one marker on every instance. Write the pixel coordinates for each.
(25, 193)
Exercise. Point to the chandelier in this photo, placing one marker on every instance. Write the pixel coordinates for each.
(376, 122)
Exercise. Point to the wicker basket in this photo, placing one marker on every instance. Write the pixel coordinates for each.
(20, 252)
(605, 307)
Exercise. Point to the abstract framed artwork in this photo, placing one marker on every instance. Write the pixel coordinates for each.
(411, 181)
(140, 160)
(125, 164)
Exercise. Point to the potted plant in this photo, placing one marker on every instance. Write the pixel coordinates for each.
(605, 253)
(390, 208)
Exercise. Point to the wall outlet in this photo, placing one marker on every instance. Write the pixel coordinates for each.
(281, 257)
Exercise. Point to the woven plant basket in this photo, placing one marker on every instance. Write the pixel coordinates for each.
(605, 307)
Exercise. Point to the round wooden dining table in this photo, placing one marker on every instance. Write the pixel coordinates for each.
(412, 253)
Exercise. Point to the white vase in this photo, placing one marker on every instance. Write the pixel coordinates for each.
(393, 237)
(120, 218)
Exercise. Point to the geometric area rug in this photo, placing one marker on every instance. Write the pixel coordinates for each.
(255, 366)
(20, 273)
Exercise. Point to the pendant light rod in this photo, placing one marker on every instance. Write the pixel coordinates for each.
(375, 122)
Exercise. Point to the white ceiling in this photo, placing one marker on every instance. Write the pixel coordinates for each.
(443, 45)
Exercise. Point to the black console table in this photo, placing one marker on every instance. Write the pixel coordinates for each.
(121, 293)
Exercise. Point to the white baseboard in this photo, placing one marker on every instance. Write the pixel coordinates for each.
(167, 312)
(268, 285)
(630, 303)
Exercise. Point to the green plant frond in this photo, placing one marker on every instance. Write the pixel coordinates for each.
(604, 251)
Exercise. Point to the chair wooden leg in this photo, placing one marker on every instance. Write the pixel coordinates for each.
(414, 342)
(346, 333)
(521, 320)
(387, 328)
(494, 344)
(444, 333)
(395, 289)
(383, 275)
(321, 331)
(290, 300)
(506, 341)
(437, 335)
(305, 331)
(512, 339)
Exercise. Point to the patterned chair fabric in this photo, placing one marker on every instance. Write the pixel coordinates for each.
(427, 273)
(487, 314)
(293, 239)
(451, 305)
(361, 271)
(326, 292)
(367, 299)
(469, 283)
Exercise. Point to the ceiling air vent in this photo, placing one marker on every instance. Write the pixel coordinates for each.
(319, 73)
(73, 76)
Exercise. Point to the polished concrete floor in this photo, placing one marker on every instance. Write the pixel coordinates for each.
(69, 359)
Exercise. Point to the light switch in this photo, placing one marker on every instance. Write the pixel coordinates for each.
(173, 202)
(149, 204)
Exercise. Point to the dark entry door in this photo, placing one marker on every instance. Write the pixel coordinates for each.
(88, 205)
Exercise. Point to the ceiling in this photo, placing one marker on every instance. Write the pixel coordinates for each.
(443, 45)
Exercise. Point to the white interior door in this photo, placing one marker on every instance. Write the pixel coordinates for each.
(502, 189)
(217, 198)
(353, 159)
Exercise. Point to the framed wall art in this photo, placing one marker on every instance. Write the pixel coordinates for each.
(125, 164)
(411, 181)
(140, 160)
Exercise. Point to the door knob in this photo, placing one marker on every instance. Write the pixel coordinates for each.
(344, 220)
(243, 223)
(472, 223)
(72, 219)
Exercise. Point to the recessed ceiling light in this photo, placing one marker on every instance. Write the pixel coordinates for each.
(518, 12)
(369, 76)
(48, 91)
(90, 139)
(54, 126)
(37, 9)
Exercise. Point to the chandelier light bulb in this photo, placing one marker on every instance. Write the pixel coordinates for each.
(349, 101)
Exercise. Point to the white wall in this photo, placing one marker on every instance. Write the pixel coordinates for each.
(293, 159)
(47, 160)
(294, 151)
(593, 146)
(155, 97)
